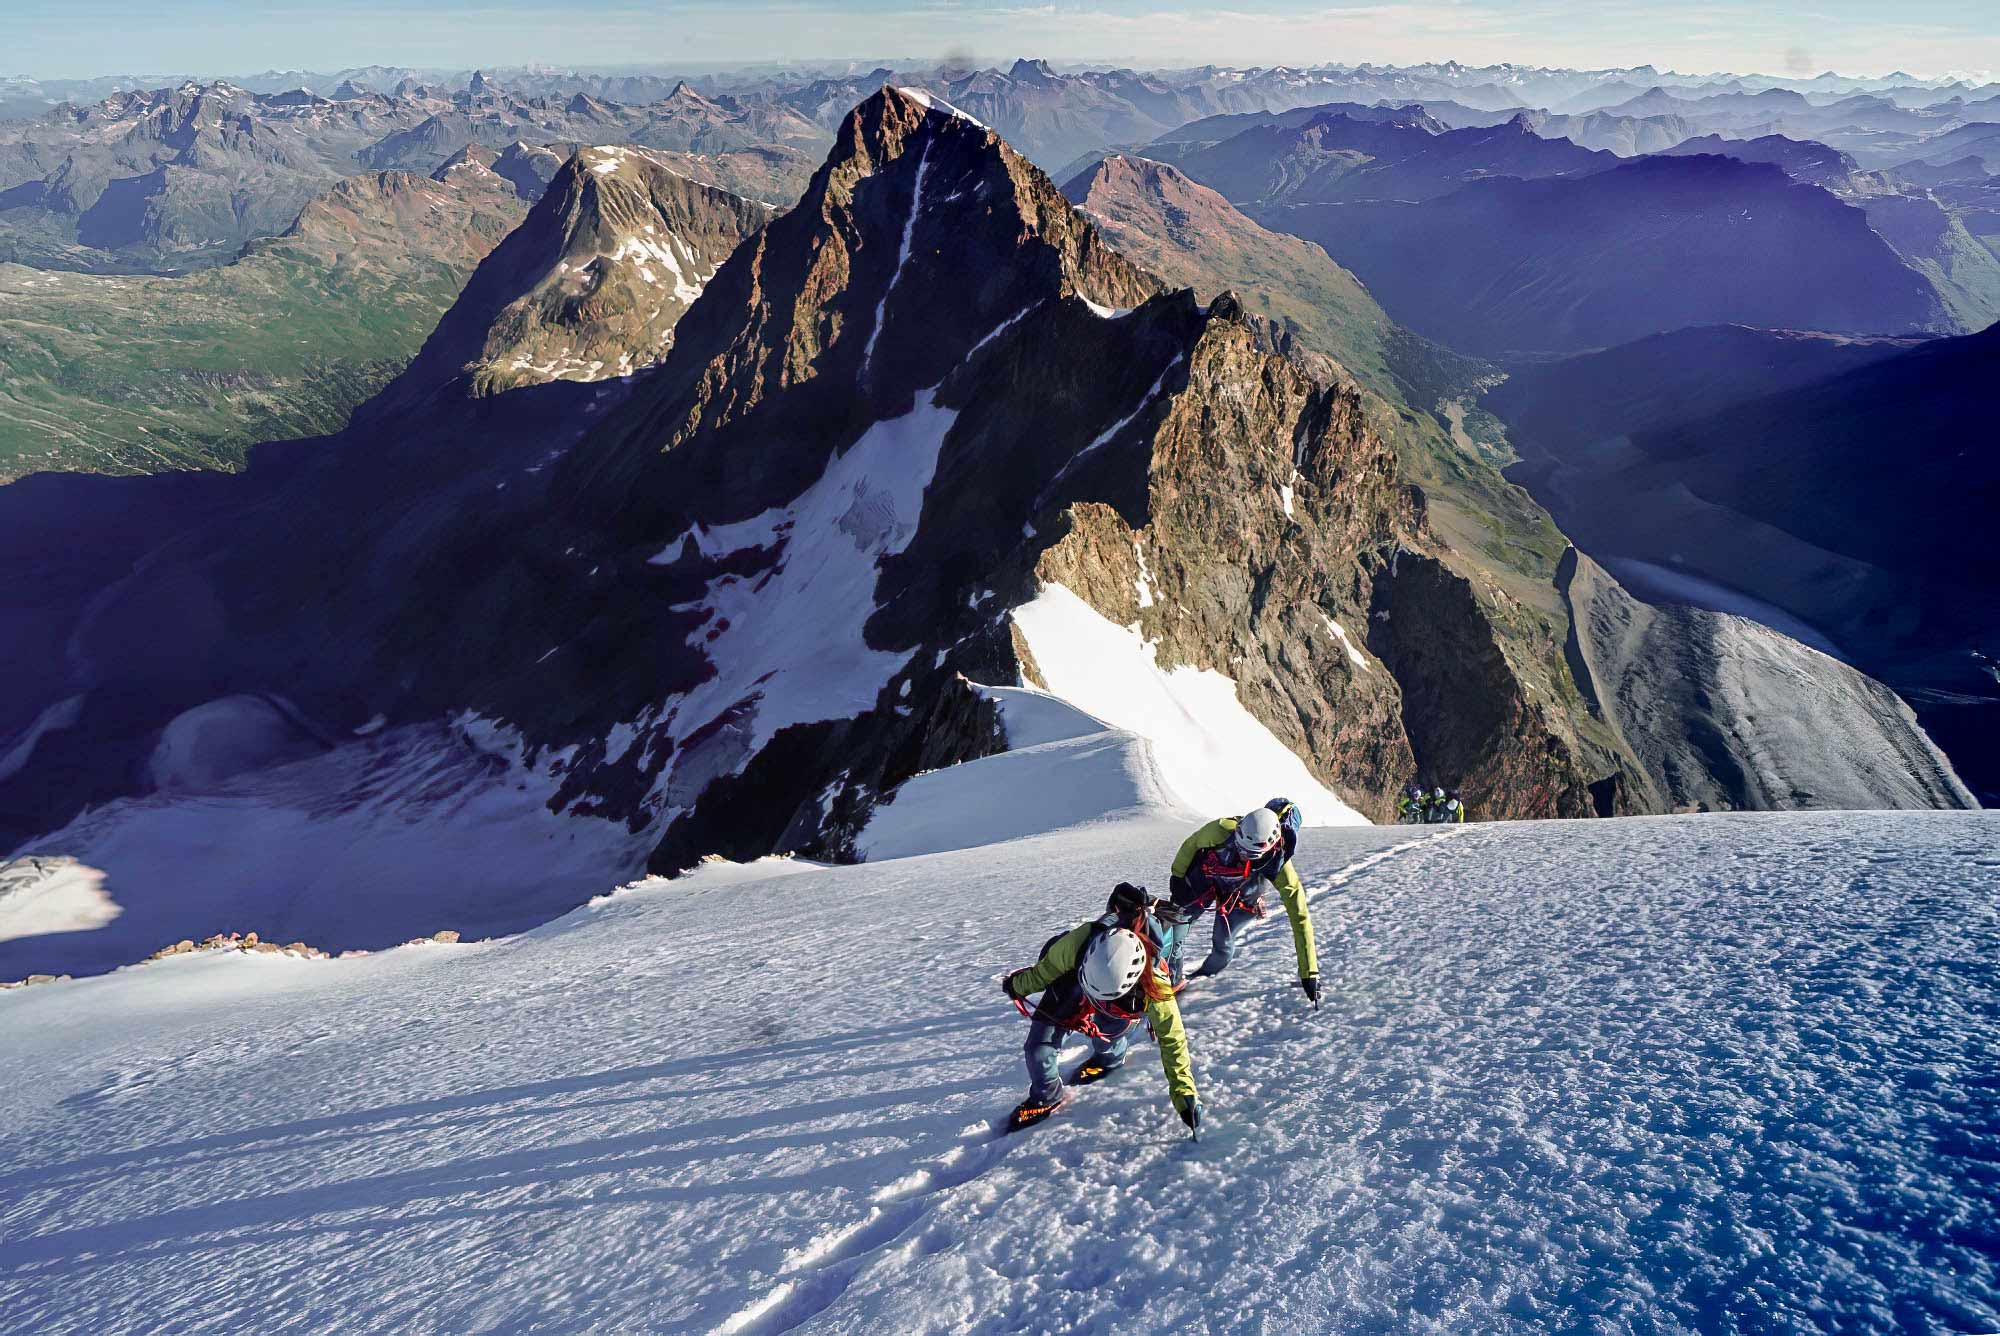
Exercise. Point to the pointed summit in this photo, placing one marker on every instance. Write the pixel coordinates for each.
(842, 293)
(480, 85)
(591, 285)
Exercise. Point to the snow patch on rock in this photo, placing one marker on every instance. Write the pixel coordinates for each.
(932, 102)
(787, 645)
(902, 255)
(1340, 634)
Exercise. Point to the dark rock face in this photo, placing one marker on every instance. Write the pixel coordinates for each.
(1237, 584)
(1468, 718)
(838, 298)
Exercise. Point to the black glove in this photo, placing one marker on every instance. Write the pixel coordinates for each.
(1191, 1115)
(1007, 985)
(1180, 890)
(1310, 986)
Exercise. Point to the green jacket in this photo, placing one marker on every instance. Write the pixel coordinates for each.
(1061, 961)
(1276, 868)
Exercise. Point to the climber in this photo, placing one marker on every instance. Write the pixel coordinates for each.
(1223, 867)
(1097, 979)
(1411, 807)
(1451, 811)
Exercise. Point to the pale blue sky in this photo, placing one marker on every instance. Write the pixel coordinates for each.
(54, 38)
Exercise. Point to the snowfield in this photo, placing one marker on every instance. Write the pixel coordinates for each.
(1717, 1073)
(388, 837)
(1207, 748)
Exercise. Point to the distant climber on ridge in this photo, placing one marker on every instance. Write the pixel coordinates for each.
(1223, 867)
(1444, 808)
(1096, 980)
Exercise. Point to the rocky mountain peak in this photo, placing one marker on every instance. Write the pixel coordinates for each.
(913, 200)
(730, 602)
(530, 167)
(1121, 185)
(593, 282)
(473, 157)
(1121, 170)
(1033, 72)
(480, 85)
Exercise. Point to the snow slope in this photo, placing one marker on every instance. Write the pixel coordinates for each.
(1676, 1074)
(1211, 753)
(1062, 768)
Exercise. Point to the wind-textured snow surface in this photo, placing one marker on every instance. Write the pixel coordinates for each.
(1717, 1073)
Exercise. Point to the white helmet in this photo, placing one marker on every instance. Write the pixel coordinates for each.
(1257, 832)
(1113, 964)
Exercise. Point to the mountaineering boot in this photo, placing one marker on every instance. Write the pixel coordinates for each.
(1194, 976)
(1028, 1112)
(1095, 1069)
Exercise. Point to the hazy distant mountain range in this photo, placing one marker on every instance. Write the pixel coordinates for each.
(175, 178)
(128, 174)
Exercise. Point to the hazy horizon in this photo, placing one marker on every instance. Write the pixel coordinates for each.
(1930, 39)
